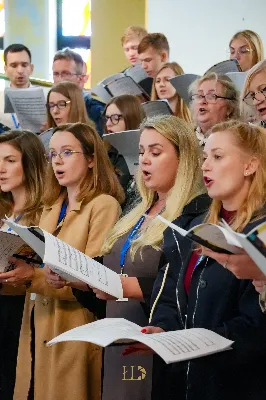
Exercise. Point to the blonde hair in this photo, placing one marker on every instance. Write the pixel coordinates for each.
(245, 109)
(100, 179)
(254, 42)
(182, 110)
(229, 91)
(133, 32)
(188, 184)
(252, 140)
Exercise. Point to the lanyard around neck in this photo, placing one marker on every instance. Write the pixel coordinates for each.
(131, 236)
(17, 219)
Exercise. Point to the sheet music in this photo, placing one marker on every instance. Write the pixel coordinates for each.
(29, 105)
(170, 346)
(124, 85)
(223, 67)
(157, 107)
(127, 144)
(73, 265)
(137, 73)
(9, 244)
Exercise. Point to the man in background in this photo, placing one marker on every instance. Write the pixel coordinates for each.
(153, 52)
(18, 69)
(130, 42)
(69, 66)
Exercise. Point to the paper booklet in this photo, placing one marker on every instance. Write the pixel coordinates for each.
(182, 82)
(157, 107)
(127, 144)
(223, 239)
(10, 244)
(170, 346)
(123, 83)
(29, 105)
(71, 264)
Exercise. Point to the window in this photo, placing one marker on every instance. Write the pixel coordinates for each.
(74, 28)
(2, 32)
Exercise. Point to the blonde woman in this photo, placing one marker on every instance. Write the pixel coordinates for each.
(170, 183)
(213, 99)
(162, 89)
(253, 101)
(246, 46)
(200, 292)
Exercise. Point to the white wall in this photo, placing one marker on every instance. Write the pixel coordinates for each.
(199, 31)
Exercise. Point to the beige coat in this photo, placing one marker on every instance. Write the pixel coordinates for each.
(71, 370)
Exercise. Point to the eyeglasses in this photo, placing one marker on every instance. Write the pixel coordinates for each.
(61, 104)
(64, 74)
(209, 98)
(64, 154)
(242, 50)
(114, 118)
(260, 95)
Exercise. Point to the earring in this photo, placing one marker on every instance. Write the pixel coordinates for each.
(246, 173)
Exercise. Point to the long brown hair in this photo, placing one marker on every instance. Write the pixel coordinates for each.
(130, 108)
(78, 112)
(252, 140)
(100, 179)
(182, 110)
(34, 167)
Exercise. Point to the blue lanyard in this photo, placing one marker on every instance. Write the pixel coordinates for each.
(18, 218)
(201, 258)
(62, 213)
(17, 124)
(127, 244)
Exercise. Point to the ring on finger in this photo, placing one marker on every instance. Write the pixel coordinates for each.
(226, 263)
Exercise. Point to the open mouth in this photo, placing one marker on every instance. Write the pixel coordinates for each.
(59, 174)
(202, 110)
(146, 174)
(207, 181)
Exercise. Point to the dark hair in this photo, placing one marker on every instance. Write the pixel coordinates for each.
(158, 41)
(68, 54)
(131, 109)
(34, 168)
(16, 48)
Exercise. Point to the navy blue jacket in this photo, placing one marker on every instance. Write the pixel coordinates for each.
(222, 303)
(94, 109)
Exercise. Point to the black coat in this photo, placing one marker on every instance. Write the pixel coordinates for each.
(222, 303)
(196, 207)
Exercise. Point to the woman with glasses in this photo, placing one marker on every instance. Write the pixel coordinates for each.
(22, 175)
(123, 113)
(163, 89)
(253, 96)
(246, 46)
(65, 104)
(81, 204)
(213, 99)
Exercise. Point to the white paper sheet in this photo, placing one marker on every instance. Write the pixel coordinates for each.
(68, 262)
(29, 105)
(171, 346)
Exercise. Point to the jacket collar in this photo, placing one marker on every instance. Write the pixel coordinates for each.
(198, 205)
(58, 204)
